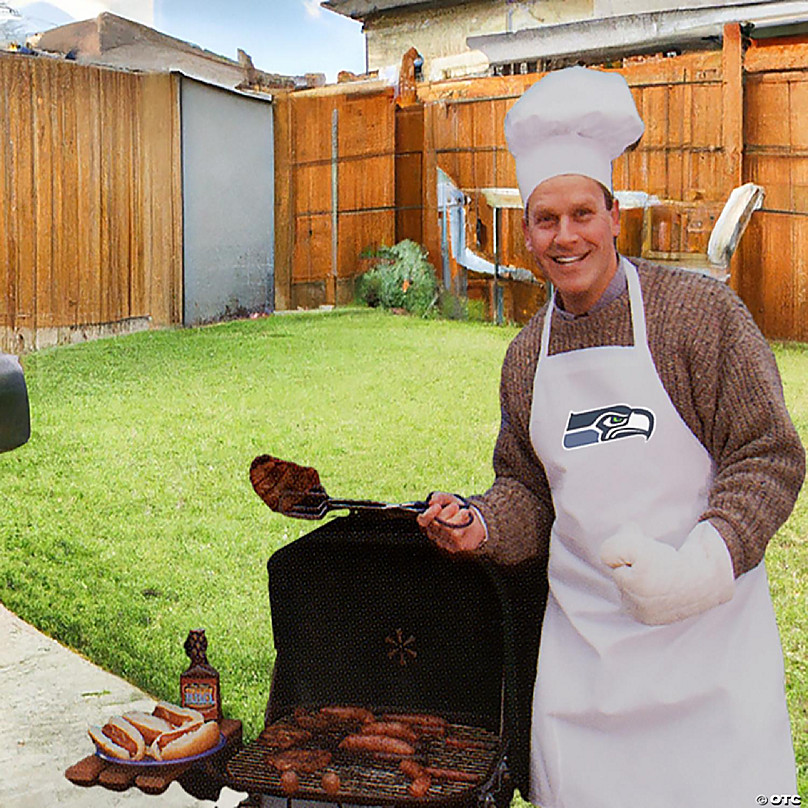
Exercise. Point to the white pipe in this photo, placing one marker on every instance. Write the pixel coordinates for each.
(452, 200)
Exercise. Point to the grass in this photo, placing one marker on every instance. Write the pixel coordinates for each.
(129, 517)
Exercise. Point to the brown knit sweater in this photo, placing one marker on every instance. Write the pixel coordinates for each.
(720, 375)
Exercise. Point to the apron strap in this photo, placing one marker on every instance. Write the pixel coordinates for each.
(636, 305)
(545, 332)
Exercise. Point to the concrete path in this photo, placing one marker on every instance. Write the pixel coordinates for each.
(50, 696)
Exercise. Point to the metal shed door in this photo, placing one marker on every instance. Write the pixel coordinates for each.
(228, 204)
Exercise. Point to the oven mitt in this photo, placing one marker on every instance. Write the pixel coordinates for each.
(660, 584)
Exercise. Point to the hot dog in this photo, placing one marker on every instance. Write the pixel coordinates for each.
(107, 745)
(122, 733)
(149, 726)
(185, 741)
(177, 716)
(381, 744)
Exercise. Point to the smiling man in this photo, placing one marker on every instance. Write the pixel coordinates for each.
(646, 453)
(570, 229)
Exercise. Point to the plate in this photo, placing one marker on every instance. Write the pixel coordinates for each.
(148, 763)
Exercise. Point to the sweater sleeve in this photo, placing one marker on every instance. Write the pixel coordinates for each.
(517, 509)
(758, 456)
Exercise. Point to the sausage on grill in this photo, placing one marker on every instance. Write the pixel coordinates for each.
(347, 714)
(393, 729)
(412, 769)
(381, 744)
(430, 724)
(452, 775)
(419, 786)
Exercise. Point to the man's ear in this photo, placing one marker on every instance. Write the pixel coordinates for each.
(615, 214)
(525, 234)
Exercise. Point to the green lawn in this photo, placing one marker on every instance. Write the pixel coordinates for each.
(129, 517)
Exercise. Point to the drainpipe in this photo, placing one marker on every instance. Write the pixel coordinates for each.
(334, 207)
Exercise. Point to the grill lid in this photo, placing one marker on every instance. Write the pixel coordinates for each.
(367, 611)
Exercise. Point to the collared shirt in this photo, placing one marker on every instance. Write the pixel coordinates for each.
(617, 285)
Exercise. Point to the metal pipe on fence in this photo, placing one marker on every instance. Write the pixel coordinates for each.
(334, 201)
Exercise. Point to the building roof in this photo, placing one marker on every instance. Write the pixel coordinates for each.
(114, 41)
(596, 39)
(362, 9)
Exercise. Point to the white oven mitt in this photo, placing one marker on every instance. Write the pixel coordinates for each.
(660, 584)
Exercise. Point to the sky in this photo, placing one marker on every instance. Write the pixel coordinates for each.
(290, 37)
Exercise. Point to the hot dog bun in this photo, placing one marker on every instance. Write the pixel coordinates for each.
(149, 726)
(185, 742)
(176, 715)
(108, 746)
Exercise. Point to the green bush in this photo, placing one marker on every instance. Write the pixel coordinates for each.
(452, 306)
(402, 278)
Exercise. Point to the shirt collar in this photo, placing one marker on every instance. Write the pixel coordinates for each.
(617, 285)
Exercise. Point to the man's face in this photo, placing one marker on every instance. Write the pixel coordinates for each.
(570, 232)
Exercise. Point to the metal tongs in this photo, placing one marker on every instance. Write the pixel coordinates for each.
(296, 491)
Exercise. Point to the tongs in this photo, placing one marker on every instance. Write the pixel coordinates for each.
(296, 491)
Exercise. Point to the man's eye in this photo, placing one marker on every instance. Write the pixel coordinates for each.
(583, 213)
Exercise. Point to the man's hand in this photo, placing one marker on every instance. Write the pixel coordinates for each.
(451, 511)
(660, 584)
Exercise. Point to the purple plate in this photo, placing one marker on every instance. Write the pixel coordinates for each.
(151, 762)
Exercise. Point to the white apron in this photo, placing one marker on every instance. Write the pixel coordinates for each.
(687, 714)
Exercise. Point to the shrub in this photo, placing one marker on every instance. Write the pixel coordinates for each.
(403, 278)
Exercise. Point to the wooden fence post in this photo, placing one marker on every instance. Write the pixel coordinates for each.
(733, 103)
(430, 224)
(284, 201)
(732, 68)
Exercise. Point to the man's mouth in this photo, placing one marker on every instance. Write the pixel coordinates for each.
(567, 259)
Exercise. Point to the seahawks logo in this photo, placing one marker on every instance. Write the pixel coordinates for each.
(607, 424)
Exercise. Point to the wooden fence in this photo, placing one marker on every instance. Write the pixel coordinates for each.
(91, 210)
(774, 251)
(713, 120)
(90, 206)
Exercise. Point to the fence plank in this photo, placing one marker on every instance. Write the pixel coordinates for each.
(8, 268)
(23, 229)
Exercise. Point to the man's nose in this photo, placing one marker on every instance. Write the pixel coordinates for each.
(566, 232)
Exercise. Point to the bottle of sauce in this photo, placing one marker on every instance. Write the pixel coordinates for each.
(199, 685)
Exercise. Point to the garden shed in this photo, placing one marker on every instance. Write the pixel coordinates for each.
(227, 203)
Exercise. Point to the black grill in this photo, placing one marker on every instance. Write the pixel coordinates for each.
(367, 612)
(364, 780)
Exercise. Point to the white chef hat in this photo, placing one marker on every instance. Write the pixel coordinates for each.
(572, 121)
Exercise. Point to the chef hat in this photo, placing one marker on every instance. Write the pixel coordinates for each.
(572, 121)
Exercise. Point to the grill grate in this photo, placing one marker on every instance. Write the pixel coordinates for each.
(365, 780)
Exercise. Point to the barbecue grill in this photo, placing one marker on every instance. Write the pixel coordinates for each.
(367, 612)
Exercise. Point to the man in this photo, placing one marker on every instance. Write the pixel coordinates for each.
(646, 452)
